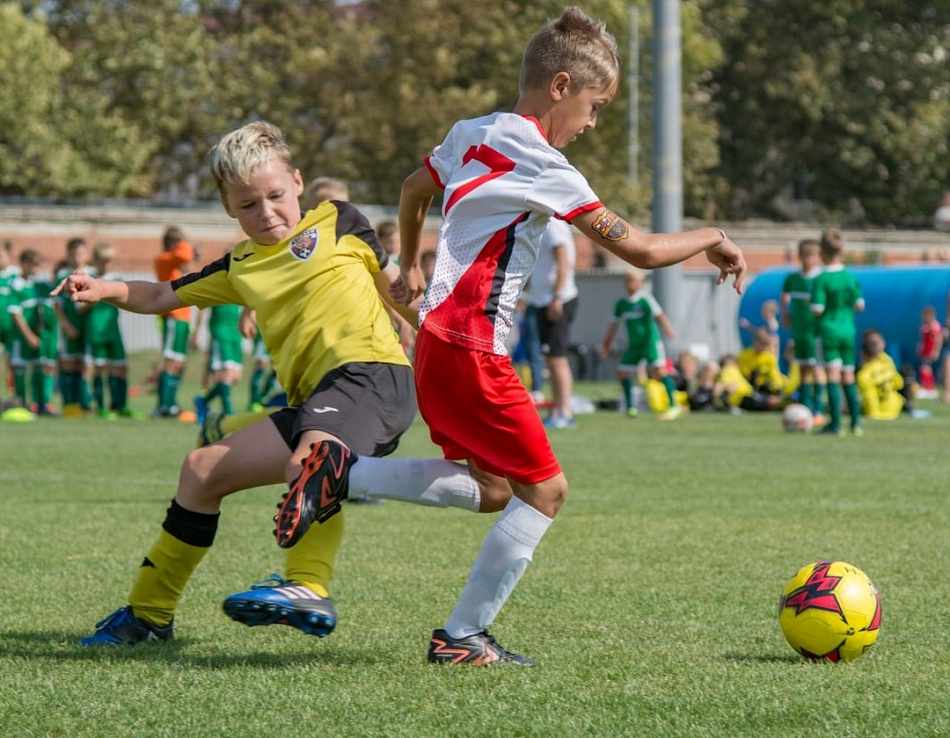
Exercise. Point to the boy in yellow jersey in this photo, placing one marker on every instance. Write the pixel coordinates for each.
(314, 281)
(879, 382)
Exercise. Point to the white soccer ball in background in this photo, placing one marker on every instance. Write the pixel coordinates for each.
(797, 418)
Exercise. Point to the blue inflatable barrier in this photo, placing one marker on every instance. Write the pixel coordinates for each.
(893, 296)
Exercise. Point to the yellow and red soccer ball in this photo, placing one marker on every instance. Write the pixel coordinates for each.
(830, 610)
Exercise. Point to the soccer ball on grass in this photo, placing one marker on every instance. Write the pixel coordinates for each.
(797, 418)
(830, 610)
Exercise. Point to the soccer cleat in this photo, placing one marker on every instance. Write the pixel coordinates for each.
(210, 431)
(317, 494)
(128, 412)
(632, 412)
(478, 650)
(857, 431)
(105, 414)
(122, 628)
(830, 430)
(672, 414)
(277, 601)
(559, 422)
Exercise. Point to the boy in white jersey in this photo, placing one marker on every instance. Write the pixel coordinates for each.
(502, 177)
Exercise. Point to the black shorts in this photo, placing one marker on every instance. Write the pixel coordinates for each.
(367, 406)
(554, 334)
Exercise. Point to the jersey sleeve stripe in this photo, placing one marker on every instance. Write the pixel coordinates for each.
(215, 266)
(435, 174)
(577, 211)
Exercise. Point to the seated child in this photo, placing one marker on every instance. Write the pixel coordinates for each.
(759, 364)
(879, 382)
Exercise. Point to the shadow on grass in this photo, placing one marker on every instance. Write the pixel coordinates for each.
(64, 646)
(758, 658)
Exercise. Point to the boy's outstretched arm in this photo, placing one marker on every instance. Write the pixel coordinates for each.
(654, 250)
(136, 297)
(415, 199)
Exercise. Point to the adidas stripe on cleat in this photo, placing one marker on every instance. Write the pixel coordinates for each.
(123, 628)
(277, 601)
(317, 494)
(480, 649)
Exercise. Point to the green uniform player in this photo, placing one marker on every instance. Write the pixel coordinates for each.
(8, 272)
(835, 300)
(225, 357)
(72, 319)
(642, 318)
(797, 314)
(105, 348)
(35, 334)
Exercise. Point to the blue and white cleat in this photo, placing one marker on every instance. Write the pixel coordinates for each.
(277, 601)
(123, 628)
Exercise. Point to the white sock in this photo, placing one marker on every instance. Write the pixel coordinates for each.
(506, 552)
(431, 482)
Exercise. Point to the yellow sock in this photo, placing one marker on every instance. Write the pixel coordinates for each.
(310, 562)
(161, 578)
(231, 423)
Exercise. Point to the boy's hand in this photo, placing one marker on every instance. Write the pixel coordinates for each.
(728, 258)
(410, 284)
(79, 287)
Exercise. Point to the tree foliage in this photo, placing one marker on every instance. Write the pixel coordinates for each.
(843, 102)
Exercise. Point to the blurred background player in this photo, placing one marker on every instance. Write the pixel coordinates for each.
(8, 272)
(73, 370)
(34, 346)
(105, 348)
(798, 316)
(929, 345)
(177, 255)
(225, 363)
(325, 188)
(879, 382)
(387, 231)
(836, 297)
(552, 295)
(643, 319)
(759, 365)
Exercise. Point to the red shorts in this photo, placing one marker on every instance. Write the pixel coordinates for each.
(478, 410)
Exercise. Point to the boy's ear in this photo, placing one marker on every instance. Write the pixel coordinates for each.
(298, 182)
(224, 204)
(560, 85)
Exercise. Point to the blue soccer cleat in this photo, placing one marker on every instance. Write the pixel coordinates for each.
(277, 601)
(122, 628)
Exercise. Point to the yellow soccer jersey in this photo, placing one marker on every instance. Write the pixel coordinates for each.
(762, 371)
(879, 384)
(314, 294)
(738, 386)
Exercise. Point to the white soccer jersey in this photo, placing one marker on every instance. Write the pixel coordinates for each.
(503, 181)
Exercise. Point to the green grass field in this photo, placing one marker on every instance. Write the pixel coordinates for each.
(650, 605)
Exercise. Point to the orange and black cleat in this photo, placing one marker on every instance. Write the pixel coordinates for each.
(316, 495)
(477, 650)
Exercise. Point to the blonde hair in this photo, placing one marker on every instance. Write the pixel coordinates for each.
(103, 252)
(832, 243)
(326, 188)
(240, 153)
(576, 44)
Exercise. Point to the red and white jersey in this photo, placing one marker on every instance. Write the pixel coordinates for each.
(503, 181)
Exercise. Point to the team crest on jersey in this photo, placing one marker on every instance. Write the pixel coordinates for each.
(303, 245)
